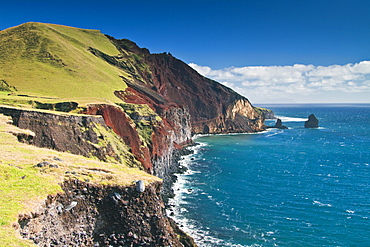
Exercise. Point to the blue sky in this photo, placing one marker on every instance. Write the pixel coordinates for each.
(217, 37)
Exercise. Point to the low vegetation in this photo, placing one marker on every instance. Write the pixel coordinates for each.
(24, 185)
(51, 60)
(47, 67)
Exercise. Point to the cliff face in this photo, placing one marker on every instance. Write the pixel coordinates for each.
(99, 217)
(159, 102)
(181, 101)
(83, 135)
(123, 126)
(213, 107)
(94, 215)
(187, 102)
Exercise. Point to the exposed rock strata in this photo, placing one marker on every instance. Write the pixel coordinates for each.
(78, 134)
(94, 215)
(123, 126)
(165, 80)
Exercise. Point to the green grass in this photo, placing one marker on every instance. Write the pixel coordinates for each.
(52, 64)
(51, 60)
(24, 187)
(140, 110)
(108, 137)
(259, 110)
(145, 125)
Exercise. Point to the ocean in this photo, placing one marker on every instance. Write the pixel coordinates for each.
(292, 187)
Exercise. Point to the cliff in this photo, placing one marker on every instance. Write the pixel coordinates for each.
(85, 214)
(125, 105)
(56, 199)
(166, 81)
(84, 135)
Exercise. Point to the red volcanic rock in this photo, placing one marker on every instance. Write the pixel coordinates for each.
(187, 103)
(123, 126)
(132, 96)
(213, 107)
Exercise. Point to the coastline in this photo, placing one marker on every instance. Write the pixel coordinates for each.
(179, 189)
(305, 171)
(181, 193)
(179, 166)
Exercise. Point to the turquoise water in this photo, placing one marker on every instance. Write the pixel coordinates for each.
(294, 187)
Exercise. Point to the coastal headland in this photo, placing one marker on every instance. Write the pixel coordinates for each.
(83, 116)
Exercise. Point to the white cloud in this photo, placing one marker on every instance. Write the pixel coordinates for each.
(298, 82)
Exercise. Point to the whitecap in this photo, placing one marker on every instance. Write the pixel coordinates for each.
(320, 204)
(291, 219)
(273, 134)
(291, 119)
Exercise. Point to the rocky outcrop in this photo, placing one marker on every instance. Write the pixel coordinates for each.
(122, 125)
(78, 134)
(94, 215)
(267, 113)
(61, 106)
(312, 122)
(279, 124)
(4, 86)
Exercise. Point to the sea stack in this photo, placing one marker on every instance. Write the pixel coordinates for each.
(312, 122)
(279, 124)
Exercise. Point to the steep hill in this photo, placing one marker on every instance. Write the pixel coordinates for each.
(85, 93)
(52, 61)
(154, 102)
(61, 63)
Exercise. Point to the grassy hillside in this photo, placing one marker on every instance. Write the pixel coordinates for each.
(24, 186)
(53, 61)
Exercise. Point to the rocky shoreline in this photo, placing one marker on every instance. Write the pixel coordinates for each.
(167, 191)
(63, 131)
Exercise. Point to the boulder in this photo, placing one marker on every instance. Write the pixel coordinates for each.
(140, 186)
(312, 122)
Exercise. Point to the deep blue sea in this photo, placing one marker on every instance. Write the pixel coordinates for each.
(293, 187)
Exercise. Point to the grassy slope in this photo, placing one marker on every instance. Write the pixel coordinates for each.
(54, 61)
(20, 194)
(51, 61)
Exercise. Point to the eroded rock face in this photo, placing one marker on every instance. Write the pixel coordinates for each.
(213, 107)
(123, 126)
(83, 135)
(267, 113)
(312, 122)
(95, 215)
